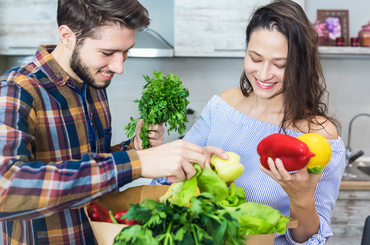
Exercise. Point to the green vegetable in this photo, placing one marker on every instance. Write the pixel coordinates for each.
(256, 218)
(204, 222)
(235, 198)
(163, 100)
(206, 180)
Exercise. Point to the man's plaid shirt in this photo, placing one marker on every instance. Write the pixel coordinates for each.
(55, 154)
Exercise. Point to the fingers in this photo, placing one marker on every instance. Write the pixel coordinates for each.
(212, 150)
(174, 160)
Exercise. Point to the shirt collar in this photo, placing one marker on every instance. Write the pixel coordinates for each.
(46, 62)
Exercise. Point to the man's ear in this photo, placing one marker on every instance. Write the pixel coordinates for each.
(67, 37)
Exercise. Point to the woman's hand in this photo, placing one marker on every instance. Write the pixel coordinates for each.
(300, 185)
(155, 135)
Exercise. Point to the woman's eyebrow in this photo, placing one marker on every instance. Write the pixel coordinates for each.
(259, 55)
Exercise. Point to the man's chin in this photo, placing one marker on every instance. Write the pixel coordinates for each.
(96, 85)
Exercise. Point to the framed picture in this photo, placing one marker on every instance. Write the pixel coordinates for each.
(337, 23)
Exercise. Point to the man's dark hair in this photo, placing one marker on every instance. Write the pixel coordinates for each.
(84, 17)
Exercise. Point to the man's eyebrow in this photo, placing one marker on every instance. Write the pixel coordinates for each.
(115, 50)
(259, 55)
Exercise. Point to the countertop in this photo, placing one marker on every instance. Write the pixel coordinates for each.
(356, 185)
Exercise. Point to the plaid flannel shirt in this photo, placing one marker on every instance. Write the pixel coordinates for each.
(55, 154)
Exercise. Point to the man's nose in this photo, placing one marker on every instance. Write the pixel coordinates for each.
(116, 64)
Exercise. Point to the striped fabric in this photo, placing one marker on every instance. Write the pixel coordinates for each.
(223, 126)
(49, 167)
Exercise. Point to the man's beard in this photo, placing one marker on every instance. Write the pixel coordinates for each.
(82, 71)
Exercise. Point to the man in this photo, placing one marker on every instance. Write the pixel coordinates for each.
(56, 128)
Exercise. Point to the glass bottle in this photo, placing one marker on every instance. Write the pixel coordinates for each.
(364, 36)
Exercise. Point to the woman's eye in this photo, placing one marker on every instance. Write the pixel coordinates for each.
(280, 67)
(255, 60)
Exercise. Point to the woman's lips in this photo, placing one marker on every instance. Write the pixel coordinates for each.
(264, 85)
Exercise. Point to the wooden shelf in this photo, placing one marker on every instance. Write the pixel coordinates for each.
(344, 52)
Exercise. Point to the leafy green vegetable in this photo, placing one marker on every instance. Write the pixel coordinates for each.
(163, 99)
(204, 222)
(207, 180)
(235, 198)
(256, 218)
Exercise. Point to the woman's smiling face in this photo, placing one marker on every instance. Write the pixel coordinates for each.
(265, 61)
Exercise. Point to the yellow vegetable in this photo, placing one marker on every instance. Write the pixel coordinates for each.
(230, 169)
(320, 146)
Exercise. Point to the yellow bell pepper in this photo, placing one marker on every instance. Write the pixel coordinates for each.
(230, 169)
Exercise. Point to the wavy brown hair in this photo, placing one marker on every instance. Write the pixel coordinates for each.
(84, 17)
(304, 84)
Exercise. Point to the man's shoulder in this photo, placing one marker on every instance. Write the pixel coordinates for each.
(22, 75)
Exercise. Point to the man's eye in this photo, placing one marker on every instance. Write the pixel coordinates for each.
(107, 54)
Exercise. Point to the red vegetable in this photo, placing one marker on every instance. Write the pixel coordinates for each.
(97, 212)
(119, 216)
(293, 152)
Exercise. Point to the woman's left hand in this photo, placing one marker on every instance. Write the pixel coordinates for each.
(155, 135)
(300, 185)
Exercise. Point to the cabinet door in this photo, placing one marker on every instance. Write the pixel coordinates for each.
(213, 28)
(24, 25)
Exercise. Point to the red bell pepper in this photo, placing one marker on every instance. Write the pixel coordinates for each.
(293, 152)
(97, 212)
(119, 217)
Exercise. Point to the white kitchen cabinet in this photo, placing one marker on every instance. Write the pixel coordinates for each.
(24, 25)
(213, 28)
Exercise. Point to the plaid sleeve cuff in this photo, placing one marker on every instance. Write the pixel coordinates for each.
(128, 166)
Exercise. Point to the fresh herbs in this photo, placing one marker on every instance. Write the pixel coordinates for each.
(204, 222)
(163, 99)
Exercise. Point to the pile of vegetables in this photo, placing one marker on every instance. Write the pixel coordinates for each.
(218, 215)
(309, 150)
(163, 99)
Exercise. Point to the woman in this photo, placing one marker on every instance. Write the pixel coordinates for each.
(281, 90)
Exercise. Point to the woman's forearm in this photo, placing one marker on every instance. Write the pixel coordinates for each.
(309, 222)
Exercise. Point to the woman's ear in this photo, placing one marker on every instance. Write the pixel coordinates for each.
(67, 37)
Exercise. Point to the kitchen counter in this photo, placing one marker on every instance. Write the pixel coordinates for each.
(355, 185)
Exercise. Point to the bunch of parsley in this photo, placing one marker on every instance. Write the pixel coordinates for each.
(163, 99)
(204, 222)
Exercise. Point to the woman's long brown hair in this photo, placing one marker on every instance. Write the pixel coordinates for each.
(304, 84)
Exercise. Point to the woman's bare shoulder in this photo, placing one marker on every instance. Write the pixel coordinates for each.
(325, 128)
(232, 96)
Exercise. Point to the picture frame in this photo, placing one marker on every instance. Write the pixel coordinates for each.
(337, 23)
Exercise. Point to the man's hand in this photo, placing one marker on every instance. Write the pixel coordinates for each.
(173, 160)
(155, 135)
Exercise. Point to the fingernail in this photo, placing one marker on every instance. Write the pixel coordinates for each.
(270, 161)
(225, 156)
(279, 162)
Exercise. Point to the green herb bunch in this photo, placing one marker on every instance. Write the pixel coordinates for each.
(204, 222)
(163, 99)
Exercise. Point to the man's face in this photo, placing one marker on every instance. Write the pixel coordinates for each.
(98, 59)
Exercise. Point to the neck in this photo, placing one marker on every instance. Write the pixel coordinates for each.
(62, 56)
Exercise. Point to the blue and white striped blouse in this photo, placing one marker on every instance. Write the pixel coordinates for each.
(223, 126)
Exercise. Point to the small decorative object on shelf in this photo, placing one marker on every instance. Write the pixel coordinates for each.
(354, 42)
(322, 32)
(339, 41)
(364, 36)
